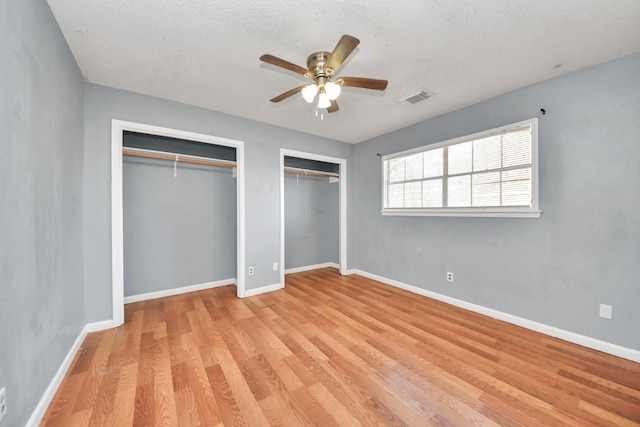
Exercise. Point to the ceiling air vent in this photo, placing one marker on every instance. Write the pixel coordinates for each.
(415, 97)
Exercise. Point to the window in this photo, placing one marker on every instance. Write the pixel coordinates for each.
(491, 173)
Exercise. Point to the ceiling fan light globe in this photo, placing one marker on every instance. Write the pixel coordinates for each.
(309, 92)
(323, 101)
(332, 89)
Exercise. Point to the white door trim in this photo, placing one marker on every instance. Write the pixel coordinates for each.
(117, 241)
(343, 204)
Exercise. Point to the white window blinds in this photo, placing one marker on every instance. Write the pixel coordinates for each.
(492, 171)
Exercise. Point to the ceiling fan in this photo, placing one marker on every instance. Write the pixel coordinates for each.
(322, 68)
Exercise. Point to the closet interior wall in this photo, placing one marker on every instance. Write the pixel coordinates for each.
(179, 224)
(311, 220)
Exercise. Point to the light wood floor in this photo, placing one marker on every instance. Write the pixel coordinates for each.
(335, 351)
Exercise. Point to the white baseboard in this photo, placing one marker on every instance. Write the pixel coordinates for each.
(311, 267)
(50, 392)
(585, 341)
(178, 291)
(100, 326)
(263, 290)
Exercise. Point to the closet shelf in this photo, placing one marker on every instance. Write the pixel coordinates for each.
(161, 155)
(307, 172)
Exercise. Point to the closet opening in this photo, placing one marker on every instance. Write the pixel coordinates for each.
(313, 212)
(179, 203)
(177, 213)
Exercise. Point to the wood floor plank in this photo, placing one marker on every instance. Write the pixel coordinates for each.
(340, 413)
(104, 404)
(226, 403)
(602, 383)
(331, 350)
(235, 389)
(79, 419)
(122, 413)
(134, 335)
(255, 382)
(199, 383)
(147, 355)
(144, 405)
(60, 412)
(90, 390)
(186, 409)
(163, 393)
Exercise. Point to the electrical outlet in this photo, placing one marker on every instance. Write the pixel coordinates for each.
(449, 276)
(606, 311)
(251, 271)
(3, 403)
(275, 266)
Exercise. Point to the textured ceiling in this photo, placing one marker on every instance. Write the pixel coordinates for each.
(205, 52)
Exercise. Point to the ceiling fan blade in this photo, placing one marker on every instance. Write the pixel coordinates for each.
(333, 107)
(274, 60)
(287, 94)
(363, 82)
(343, 49)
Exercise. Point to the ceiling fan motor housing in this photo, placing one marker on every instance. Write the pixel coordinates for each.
(316, 64)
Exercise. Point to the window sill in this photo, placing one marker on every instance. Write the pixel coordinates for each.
(466, 212)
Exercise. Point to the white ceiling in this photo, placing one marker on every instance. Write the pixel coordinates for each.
(205, 52)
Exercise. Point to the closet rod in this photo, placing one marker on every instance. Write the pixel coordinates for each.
(299, 171)
(172, 157)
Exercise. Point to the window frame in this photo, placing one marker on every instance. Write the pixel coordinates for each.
(532, 211)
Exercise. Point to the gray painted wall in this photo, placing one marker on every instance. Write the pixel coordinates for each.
(312, 220)
(583, 251)
(262, 178)
(41, 248)
(178, 231)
